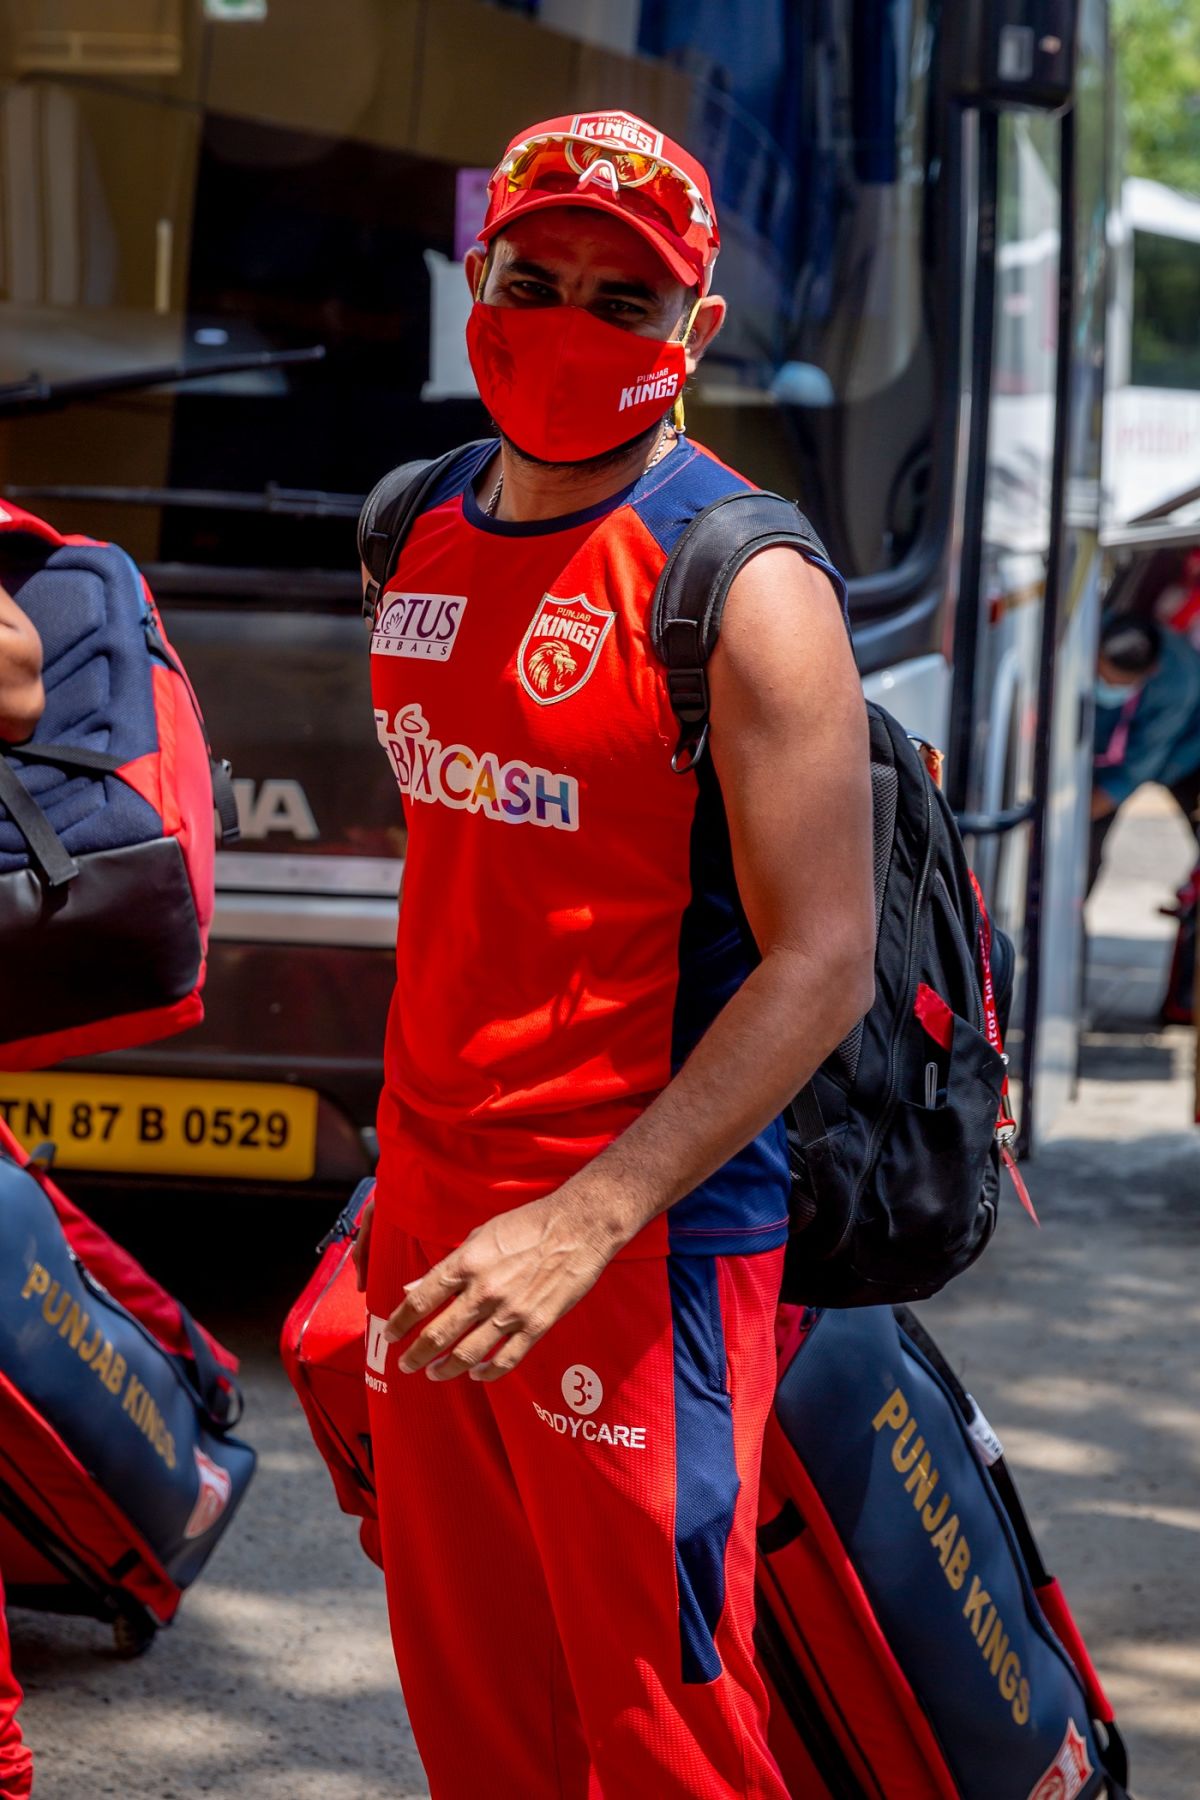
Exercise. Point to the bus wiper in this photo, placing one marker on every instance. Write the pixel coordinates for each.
(294, 503)
(32, 394)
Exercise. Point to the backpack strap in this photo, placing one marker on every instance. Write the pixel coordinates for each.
(388, 514)
(689, 599)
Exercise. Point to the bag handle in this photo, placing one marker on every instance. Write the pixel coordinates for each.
(221, 1398)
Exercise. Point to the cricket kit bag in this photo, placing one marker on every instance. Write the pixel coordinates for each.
(106, 813)
(913, 1643)
(896, 1143)
(324, 1352)
(118, 1470)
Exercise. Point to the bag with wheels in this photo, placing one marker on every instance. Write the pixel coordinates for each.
(914, 1645)
(106, 813)
(324, 1352)
(119, 1472)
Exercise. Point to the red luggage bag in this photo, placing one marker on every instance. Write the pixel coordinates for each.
(322, 1347)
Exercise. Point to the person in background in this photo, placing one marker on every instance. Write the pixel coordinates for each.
(21, 701)
(1147, 723)
(1178, 606)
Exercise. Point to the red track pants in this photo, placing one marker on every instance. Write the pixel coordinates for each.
(16, 1764)
(569, 1553)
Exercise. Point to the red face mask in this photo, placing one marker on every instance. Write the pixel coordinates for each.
(564, 386)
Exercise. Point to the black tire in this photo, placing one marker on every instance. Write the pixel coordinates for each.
(133, 1634)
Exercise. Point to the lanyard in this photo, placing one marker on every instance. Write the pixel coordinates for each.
(1006, 1127)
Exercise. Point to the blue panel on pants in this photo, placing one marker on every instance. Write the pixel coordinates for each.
(706, 1477)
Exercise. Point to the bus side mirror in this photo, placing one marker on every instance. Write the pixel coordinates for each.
(1011, 53)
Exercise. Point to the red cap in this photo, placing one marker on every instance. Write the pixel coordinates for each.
(684, 232)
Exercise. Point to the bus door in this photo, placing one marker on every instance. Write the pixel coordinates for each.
(1024, 656)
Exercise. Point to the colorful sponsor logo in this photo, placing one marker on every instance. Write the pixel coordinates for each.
(619, 129)
(423, 625)
(561, 647)
(662, 384)
(513, 792)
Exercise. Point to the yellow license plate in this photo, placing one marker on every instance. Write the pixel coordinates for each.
(144, 1125)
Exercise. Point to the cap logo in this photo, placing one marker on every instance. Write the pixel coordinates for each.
(620, 129)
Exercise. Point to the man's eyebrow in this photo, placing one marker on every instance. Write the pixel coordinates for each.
(625, 290)
(630, 290)
(519, 266)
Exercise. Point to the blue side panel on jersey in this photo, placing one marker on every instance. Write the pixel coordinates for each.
(706, 1477)
(669, 501)
(744, 1205)
(89, 609)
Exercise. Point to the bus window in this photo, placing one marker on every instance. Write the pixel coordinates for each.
(1166, 311)
(296, 199)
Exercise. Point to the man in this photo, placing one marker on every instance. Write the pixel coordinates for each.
(21, 702)
(1147, 723)
(611, 980)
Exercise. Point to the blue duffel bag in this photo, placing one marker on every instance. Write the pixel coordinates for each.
(119, 1472)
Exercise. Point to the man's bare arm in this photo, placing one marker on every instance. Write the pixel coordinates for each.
(21, 694)
(789, 741)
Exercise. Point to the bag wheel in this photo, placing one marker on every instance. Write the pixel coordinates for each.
(133, 1634)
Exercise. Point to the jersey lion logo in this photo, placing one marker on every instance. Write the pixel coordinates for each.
(551, 666)
(561, 647)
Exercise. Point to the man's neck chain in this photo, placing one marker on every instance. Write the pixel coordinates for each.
(667, 436)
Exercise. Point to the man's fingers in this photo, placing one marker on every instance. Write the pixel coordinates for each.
(442, 1332)
(426, 1296)
(471, 1352)
(506, 1357)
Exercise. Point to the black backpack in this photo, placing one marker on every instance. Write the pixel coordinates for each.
(896, 1141)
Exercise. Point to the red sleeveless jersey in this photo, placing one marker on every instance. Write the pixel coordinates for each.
(569, 923)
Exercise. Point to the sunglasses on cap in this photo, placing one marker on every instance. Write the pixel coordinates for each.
(648, 186)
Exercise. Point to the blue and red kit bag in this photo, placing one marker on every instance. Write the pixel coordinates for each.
(118, 1470)
(106, 813)
(914, 1645)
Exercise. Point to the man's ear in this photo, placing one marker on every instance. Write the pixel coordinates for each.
(473, 263)
(710, 316)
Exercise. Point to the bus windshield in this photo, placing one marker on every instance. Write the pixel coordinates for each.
(234, 184)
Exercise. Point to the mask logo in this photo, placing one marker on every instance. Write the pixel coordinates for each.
(561, 647)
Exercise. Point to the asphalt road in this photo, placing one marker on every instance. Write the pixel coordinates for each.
(276, 1682)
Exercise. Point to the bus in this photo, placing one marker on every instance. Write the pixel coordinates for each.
(230, 298)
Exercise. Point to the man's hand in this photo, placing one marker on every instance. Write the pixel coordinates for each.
(490, 1300)
(21, 695)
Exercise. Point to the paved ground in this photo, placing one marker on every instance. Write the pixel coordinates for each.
(276, 1683)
